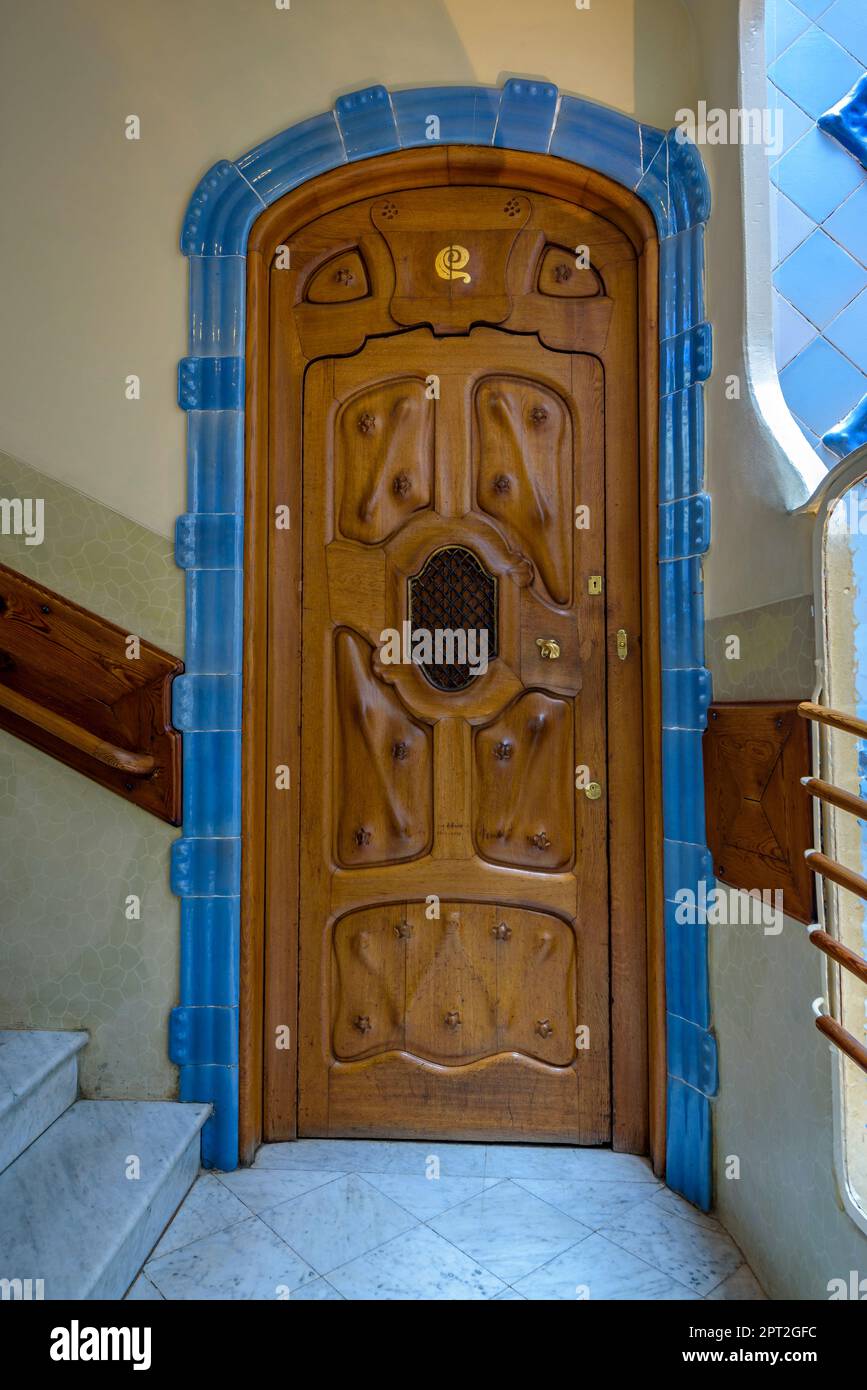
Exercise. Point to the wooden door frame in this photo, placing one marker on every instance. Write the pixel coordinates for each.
(638, 987)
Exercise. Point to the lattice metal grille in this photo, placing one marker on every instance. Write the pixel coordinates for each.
(453, 593)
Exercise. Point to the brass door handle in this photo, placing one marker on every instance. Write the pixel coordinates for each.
(549, 648)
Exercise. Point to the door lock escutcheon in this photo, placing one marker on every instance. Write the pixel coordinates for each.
(622, 643)
(594, 584)
(549, 648)
(593, 791)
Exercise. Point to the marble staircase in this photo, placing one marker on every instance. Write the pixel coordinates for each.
(86, 1186)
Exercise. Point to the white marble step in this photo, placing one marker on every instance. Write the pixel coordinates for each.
(83, 1207)
(38, 1081)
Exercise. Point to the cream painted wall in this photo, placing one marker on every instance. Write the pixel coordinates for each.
(93, 283)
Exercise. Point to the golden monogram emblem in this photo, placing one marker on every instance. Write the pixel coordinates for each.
(450, 263)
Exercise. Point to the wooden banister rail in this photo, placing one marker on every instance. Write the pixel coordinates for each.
(836, 796)
(850, 960)
(135, 764)
(89, 693)
(837, 873)
(842, 1039)
(833, 718)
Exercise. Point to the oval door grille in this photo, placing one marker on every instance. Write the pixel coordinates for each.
(453, 593)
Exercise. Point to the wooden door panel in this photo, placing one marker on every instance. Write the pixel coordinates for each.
(383, 764)
(524, 794)
(524, 473)
(453, 879)
(385, 453)
(368, 982)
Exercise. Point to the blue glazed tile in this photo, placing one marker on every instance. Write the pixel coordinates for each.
(203, 868)
(653, 188)
(605, 140)
(466, 115)
(685, 359)
(792, 332)
(821, 385)
(817, 175)
(217, 294)
(849, 433)
(689, 190)
(366, 122)
(297, 154)
(220, 1134)
(199, 1034)
(815, 443)
(687, 990)
(526, 116)
(212, 783)
(846, 21)
(209, 541)
(652, 141)
(848, 331)
(206, 702)
(220, 214)
(681, 443)
(848, 224)
(211, 383)
(793, 122)
(789, 226)
(683, 785)
(815, 72)
(681, 610)
(210, 951)
(684, 527)
(847, 121)
(783, 24)
(812, 8)
(681, 281)
(688, 1162)
(686, 695)
(820, 278)
(215, 460)
(685, 866)
(213, 625)
(692, 1055)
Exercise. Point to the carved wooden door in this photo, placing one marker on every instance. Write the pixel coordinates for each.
(453, 877)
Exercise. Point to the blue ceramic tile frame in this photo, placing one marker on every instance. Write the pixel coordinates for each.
(669, 176)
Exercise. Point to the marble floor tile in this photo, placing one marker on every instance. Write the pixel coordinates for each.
(261, 1188)
(427, 1197)
(508, 1230)
(684, 1250)
(247, 1261)
(531, 1161)
(317, 1291)
(207, 1207)
(678, 1206)
(602, 1165)
(742, 1285)
(416, 1265)
(143, 1291)
(597, 1269)
(591, 1203)
(338, 1222)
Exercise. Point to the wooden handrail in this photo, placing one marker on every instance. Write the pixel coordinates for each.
(834, 718)
(850, 960)
(845, 1041)
(135, 764)
(837, 873)
(835, 796)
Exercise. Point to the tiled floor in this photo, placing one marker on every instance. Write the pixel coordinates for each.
(346, 1219)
